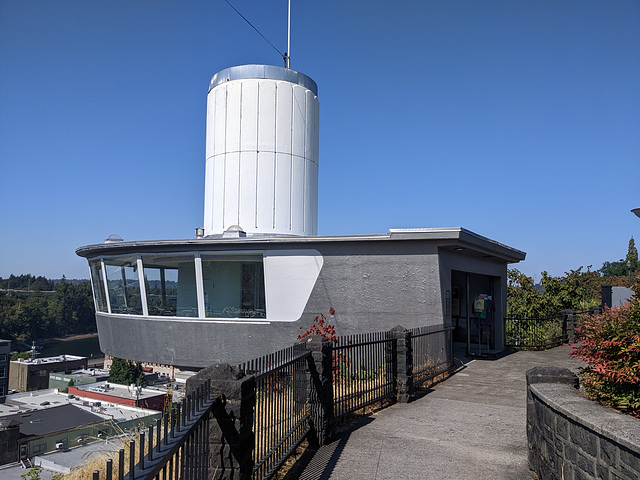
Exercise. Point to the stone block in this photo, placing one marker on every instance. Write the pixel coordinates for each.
(539, 412)
(584, 439)
(631, 460)
(549, 419)
(629, 472)
(602, 471)
(616, 475)
(559, 444)
(586, 464)
(580, 475)
(567, 472)
(547, 452)
(570, 453)
(608, 453)
(562, 427)
(545, 472)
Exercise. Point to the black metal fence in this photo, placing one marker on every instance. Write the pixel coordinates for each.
(364, 371)
(292, 394)
(430, 352)
(177, 448)
(281, 418)
(540, 333)
(534, 333)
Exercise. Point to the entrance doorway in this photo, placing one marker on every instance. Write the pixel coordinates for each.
(473, 312)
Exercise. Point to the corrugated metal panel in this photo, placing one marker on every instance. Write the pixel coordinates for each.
(252, 179)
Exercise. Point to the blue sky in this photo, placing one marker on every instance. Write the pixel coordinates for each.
(518, 120)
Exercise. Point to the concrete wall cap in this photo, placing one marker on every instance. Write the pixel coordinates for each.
(551, 375)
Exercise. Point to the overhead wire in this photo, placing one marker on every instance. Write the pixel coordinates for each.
(252, 26)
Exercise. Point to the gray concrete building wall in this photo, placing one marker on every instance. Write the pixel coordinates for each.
(372, 286)
(374, 282)
(377, 285)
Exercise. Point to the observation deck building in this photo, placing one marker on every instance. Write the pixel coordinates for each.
(258, 272)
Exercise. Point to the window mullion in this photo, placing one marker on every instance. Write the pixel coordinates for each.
(143, 287)
(199, 286)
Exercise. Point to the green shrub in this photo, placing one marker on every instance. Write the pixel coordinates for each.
(611, 348)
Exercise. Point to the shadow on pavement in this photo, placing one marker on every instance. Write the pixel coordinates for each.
(318, 464)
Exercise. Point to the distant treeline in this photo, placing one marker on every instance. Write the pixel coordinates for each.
(69, 310)
(32, 283)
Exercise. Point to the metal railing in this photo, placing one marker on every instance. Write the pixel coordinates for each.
(534, 333)
(283, 390)
(280, 420)
(431, 352)
(177, 448)
(364, 369)
(540, 333)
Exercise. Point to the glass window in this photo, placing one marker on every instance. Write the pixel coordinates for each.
(40, 447)
(123, 285)
(170, 282)
(3, 372)
(234, 286)
(98, 285)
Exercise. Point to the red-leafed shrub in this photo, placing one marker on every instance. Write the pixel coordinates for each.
(611, 348)
(321, 327)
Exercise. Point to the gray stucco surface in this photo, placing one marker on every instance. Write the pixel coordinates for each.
(370, 287)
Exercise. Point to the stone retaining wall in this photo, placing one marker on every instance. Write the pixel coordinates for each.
(571, 437)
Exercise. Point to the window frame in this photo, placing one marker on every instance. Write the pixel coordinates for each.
(196, 256)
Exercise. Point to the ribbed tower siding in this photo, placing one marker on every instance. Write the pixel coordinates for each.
(262, 152)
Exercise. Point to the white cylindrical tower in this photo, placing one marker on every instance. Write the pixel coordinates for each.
(262, 152)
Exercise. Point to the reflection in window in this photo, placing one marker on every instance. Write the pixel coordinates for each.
(123, 285)
(98, 285)
(170, 282)
(234, 286)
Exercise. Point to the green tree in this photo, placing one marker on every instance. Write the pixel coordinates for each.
(523, 299)
(18, 355)
(126, 372)
(632, 256)
(577, 290)
(32, 474)
(38, 315)
(621, 268)
(70, 383)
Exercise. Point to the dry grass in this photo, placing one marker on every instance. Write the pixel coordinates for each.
(98, 460)
(291, 461)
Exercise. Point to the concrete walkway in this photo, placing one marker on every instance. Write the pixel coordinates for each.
(471, 426)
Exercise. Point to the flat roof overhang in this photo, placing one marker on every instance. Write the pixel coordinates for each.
(456, 239)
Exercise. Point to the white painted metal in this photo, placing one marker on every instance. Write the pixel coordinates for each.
(103, 272)
(199, 286)
(262, 154)
(143, 286)
(289, 278)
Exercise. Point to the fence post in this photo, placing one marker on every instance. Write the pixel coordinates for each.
(597, 310)
(568, 326)
(320, 389)
(230, 435)
(404, 362)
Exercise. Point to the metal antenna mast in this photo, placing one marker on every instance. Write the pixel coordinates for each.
(287, 54)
